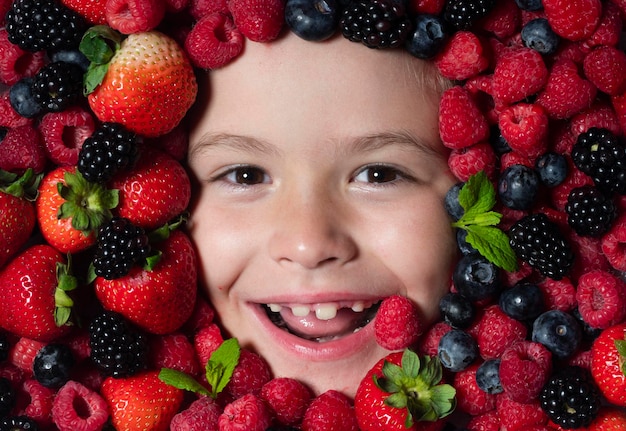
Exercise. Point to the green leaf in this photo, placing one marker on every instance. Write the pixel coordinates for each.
(443, 399)
(410, 363)
(99, 44)
(221, 364)
(183, 381)
(620, 345)
(489, 218)
(397, 400)
(62, 315)
(494, 245)
(153, 260)
(93, 77)
(392, 372)
(431, 371)
(477, 194)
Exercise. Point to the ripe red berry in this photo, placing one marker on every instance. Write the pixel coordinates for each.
(461, 123)
(248, 413)
(330, 410)
(77, 407)
(463, 56)
(397, 325)
(288, 398)
(524, 368)
(214, 41)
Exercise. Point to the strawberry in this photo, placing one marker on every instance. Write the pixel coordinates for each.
(147, 83)
(400, 390)
(141, 402)
(70, 209)
(147, 297)
(91, 10)
(17, 213)
(35, 304)
(608, 354)
(609, 419)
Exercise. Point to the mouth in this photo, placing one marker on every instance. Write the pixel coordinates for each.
(322, 322)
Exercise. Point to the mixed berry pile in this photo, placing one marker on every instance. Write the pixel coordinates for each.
(102, 326)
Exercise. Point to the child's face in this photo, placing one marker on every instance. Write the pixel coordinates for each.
(321, 181)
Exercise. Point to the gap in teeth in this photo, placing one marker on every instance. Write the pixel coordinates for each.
(323, 311)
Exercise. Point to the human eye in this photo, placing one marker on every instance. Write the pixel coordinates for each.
(243, 175)
(380, 174)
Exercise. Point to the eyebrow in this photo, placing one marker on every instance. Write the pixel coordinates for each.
(240, 143)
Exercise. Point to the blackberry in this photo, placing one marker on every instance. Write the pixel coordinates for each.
(538, 241)
(108, 150)
(120, 245)
(462, 14)
(5, 346)
(376, 23)
(44, 25)
(18, 423)
(7, 397)
(589, 211)
(117, 347)
(570, 398)
(602, 155)
(57, 86)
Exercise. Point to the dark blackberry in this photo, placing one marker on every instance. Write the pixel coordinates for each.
(44, 25)
(120, 245)
(602, 155)
(18, 423)
(57, 86)
(538, 241)
(462, 14)
(376, 23)
(5, 346)
(117, 347)
(570, 398)
(52, 365)
(7, 397)
(590, 212)
(108, 150)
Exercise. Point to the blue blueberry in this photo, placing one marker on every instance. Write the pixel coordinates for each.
(456, 310)
(315, 20)
(476, 278)
(498, 143)
(524, 301)
(558, 331)
(538, 35)
(552, 169)
(488, 376)
(461, 241)
(428, 37)
(451, 202)
(52, 365)
(22, 100)
(73, 56)
(457, 350)
(518, 186)
(529, 4)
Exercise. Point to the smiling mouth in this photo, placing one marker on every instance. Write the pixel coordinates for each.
(322, 322)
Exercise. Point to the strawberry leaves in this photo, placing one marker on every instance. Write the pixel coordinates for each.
(477, 197)
(620, 345)
(99, 44)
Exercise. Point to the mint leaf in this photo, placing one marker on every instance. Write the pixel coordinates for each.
(221, 364)
(477, 194)
(493, 245)
(180, 380)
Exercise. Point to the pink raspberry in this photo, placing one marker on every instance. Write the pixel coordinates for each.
(39, 401)
(134, 16)
(174, 351)
(468, 161)
(619, 105)
(249, 376)
(504, 20)
(76, 408)
(489, 421)
(601, 298)
(515, 158)
(201, 317)
(330, 410)
(614, 244)
(600, 114)
(258, 20)
(470, 398)
(609, 30)
(605, 67)
(176, 5)
(463, 56)
(288, 398)
(497, 332)
(78, 342)
(206, 341)
(22, 148)
(15, 63)
(201, 8)
(558, 294)
(248, 413)
(461, 123)
(525, 128)
(23, 353)
(214, 41)
(202, 414)
(589, 255)
(64, 133)
(581, 358)
(573, 19)
(397, 324)
(519, 73)
(429, 343)
(515, 416)
(524, 368)
(12, 373)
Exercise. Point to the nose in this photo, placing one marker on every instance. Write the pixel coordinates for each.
(311, 231)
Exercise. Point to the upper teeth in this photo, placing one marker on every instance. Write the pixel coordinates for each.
(323, 311)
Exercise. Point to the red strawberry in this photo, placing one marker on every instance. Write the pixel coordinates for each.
(160, 299)
(421, 381)
(258, 20)
(609, 419)
(91, 10)
(29, 286)
(141, 402)
(608, 354)
(149, 84)
(573, 19)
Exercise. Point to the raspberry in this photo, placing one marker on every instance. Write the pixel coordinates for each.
(134, 16)
(590, 212)
(525, 127)
(201, 415)
(609, 30)
(601, 298)
(375, 23)
(588, 255)
(461, 123)
(175, 143)
(573, 19)
(249, 376)
(614, 244)
(64, 133)
(503, 21)
(288, 398)
(248, 413)
(497, 332)
(330, 410)
(174, 351)
(92, 10)
(524, 369)
(430, 341)
(605, 67)
(206, 341)
(21, 148)
(258, 20)
(201, 8)
(566, 92)
(619, 105)
(468, 161)
(76, 408)
(558, 294)
(201, 317)
(9, 118)
(23, 353)
(16, 63)
(398, 324)
(489, 421)
(600, 115)
(516, 416)
(462, 57)
(519, 73)
(470, 398)
(39, 404)
(213, 41)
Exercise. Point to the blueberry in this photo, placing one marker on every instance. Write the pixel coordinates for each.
(552, 169)
(529, 4)
(22, 100)
(456, 310)
(451, 202)
(488, 376)
(461, 241)
(518, 186)
(589, 332)
(476, 278)
(428, 37)
(498, 143)
(524, 301)
(538, 35)
(72, 56)
(457, 350)
(315, 20)
(558, 331)
(52, 365)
